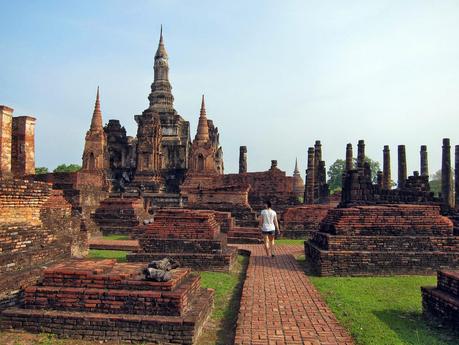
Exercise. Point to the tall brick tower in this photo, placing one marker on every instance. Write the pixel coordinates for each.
(6, 126)
(175, 141)
(23, 146)
(95, 156)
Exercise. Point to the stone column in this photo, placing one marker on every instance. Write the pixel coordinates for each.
(380, 179)
(6, 126)
(309, 190)
(349, 163)
(386, 175)
(23, 149)
(402, 172)
(317, 159)
(242, 159)
(456, 174)
(424, 161)
(360, 154)
(446, 176)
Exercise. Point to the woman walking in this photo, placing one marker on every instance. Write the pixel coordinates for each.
(268, 225)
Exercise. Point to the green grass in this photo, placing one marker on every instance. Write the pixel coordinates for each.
(288, 241)
(116, 237)
(119, 255)
(228, 286)
(382, 310)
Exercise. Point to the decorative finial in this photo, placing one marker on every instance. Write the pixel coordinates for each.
(203, 105)
(96, 122)
(161, 34)
(296, 165)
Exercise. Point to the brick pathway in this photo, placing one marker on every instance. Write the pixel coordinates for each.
(280, 306)
(100, 243)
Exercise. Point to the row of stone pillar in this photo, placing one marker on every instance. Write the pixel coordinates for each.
(315, 175)
(450, 199)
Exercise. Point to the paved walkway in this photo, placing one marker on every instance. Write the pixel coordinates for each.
(100, 243)
(280, 306)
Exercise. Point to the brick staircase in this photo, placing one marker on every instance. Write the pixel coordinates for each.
(442, 302)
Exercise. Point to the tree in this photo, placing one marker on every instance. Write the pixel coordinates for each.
(41, 170)
(67, 168)
(336, 170)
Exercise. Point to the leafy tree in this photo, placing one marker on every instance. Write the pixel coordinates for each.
(67, 168)
(41, 170)
(336, 170)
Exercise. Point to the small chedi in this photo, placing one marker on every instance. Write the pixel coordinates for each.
(105, 300)
(441, 303)
(119, 215)
(379, 230)
(191, 237)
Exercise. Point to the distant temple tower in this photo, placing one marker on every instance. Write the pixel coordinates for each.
(298, 183)
(175, 131)
(206, 153)
(95, 148)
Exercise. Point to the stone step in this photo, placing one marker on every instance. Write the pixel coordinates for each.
(221, 262)
(244, 240)
(448, 281)
(441, 305)
(115, 301)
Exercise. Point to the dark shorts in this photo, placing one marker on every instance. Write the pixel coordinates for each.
(269, 233)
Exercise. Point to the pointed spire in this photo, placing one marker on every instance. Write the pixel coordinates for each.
(296, 171)
(96, 122)
(203, 127)
(161, 51)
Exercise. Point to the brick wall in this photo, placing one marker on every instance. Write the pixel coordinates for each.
(302, 221)
(37, 227)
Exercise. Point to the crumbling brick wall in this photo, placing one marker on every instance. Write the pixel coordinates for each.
(302, 221)
(37, 227)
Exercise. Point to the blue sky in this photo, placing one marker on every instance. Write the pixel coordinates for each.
(277, 75)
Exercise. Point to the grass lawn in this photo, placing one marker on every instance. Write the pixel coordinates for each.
(119, 255)
(382, 310)
(288, 241)
(116, 237)
(219, 329)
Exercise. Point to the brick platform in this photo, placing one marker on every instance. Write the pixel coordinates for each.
(89, 299)
(442, 302)
(381, 240)
(119, 215)
(303, 221)
(247, 235)
(279, 305)
(192, 237)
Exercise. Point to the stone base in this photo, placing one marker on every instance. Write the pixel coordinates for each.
(197, 261)
(164, 330)
(441, 303)
(244, 235)
(368, 263)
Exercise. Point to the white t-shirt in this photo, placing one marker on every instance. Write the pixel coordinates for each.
(268, 217)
